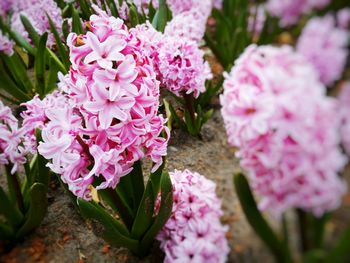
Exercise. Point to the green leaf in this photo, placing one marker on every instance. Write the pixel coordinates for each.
(65, 29)
(114, 232)
(118, 204)
(144, 216)
(113, 8)
(40, 66)
(165, 209)
(6, 233)
(161, 17)
(9, 210)
(132, 187)
(341, 250)
(18, 71)
(256, 220)
(10, 87)
(60, 47)
(84, 6)
(37, 209)
(133, 15)
(51, 81)
(176, 118)
(76, 24)
(314, 256)
(33, 35)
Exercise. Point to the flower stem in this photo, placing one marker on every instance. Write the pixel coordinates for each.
(189, 102)
(122, 209)
(303, 230)
(15, 188)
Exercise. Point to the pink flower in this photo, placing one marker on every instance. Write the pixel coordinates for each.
(181, 67)
(194, 232)
(6, 45)
(12, 138)
(111, 120)
(35, 11)
(343, 18)
(288, 142)
(289, 11)
(325, 46)
(188, 24)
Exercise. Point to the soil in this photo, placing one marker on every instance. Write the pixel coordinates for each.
(65, 237)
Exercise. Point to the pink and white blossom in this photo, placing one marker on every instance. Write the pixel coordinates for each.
(288, 141)
(12, 148)
(6, 45)
(325, 46)
(194, 232)
(36, 11)
(289, 11)
(111, 120)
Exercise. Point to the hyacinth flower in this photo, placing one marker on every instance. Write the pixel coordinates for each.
(35, 49)
(107, 124)
(23, 202)
(288, 144)
(194, 232)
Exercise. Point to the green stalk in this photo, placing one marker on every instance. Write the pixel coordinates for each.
(122, 209)
(303, 231)
(14, 186)
(189, 103)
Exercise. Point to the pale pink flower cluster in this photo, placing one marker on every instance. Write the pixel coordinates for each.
(6, 45)
(178, 62)
(344, 103)
(112, 119)
(188, 24)
(343, 18)
(276, 112)
(5, 6)
(325, 46)
(35, 11)
(182, 69)
(289, 11)
(194, 232)
(34, 116)
(12, 148)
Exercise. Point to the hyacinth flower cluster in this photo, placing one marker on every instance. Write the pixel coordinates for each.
(37, 12)
(194, 233)
(288, 143)
(107, 122)
(325, 45)
(290, 11)
(181, 69)
(23, 202)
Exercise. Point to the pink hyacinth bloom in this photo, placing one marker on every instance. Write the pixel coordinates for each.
(189, 24)
(12, 137)
(194, 233)
(343, 18)
(344, 113)
(289, 11)
(111, 120)
(5, 6)
(6, 45)
(288, 142)
(35, 11)
(182, 69)
(325, 46)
